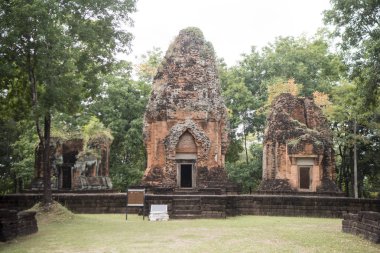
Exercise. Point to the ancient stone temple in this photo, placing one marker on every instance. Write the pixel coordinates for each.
(298, 151)
(185, 123)
(76, 165)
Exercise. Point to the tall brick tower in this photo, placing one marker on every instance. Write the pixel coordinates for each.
(185, 123)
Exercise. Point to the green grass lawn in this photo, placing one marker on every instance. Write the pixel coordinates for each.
(111, 233)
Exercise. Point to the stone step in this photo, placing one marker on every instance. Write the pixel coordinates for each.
(187, 207)
(186, 216)
(188, 201)
(206, 191)
(213, 214)
(187, 212)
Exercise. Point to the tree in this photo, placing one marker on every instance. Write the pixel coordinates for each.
(356, 138)
(307, 61)
(248, 175)
(241, 106)
(149, 63)
(279, 87)
(357, 25)
(57, 49)
(121, 107)
(23, 154)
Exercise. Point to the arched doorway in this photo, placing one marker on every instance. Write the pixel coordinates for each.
(186, 156)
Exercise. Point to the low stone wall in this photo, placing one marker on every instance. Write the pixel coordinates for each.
(232, 205)
(13, 224)
(365, 224)
(76, 202)
(273, 205)
(289, 205)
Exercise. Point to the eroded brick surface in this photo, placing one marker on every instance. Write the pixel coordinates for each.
(297, 137)
(186, 110)
(73, 168)
(365, 224)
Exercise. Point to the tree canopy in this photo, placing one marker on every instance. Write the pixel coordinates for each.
(357, 25)
(56, 50)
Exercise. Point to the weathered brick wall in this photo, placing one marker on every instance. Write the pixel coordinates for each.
(297, 132)
(77, 203)
(287, 205)
(365, 224)
(282, 205)
(186, 101)
(277, 205)
(13, 224)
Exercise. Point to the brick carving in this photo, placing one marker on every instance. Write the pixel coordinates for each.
(186, 106)
(298, 152)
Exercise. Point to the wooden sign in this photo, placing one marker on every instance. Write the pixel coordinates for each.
(136, 197)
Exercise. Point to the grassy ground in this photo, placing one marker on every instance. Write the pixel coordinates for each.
(111, 233)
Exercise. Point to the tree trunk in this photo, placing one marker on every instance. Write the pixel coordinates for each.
(45, 139)
(342, 166)
(355, 164)
(347, 179)
(47, 198)
(245, 144)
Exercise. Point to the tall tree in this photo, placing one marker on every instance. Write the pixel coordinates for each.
(356, 138)
(59, 48)
(148, 64)
(357, 23)
(307, 61)
(242, 107)
(121, 107)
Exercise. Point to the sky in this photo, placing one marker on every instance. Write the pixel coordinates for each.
(232, 26)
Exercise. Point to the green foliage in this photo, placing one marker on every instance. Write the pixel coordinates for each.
(357, 25)
(23, 153)
(57, 50)
(66, 127)
(194, 32)
(62, 46)
(121, 108)
(307, 61)
(149, 64)
(261, 75)
(347, 110)
(8, 135)
(94, 133)
(280, 86)
(248, 175)
(95, 130)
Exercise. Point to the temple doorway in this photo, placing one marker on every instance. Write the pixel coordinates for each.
(186, 172)
(69, 159)
(304, 178)
(66, 177)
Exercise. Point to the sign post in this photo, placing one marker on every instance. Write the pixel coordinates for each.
(135, 198)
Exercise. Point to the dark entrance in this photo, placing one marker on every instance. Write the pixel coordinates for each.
(186, 175)
(305, 178)
(69, 159)
(66, 177)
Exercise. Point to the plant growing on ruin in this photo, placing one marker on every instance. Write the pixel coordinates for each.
(94, 133)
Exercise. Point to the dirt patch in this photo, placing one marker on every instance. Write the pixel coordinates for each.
(56, 213)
